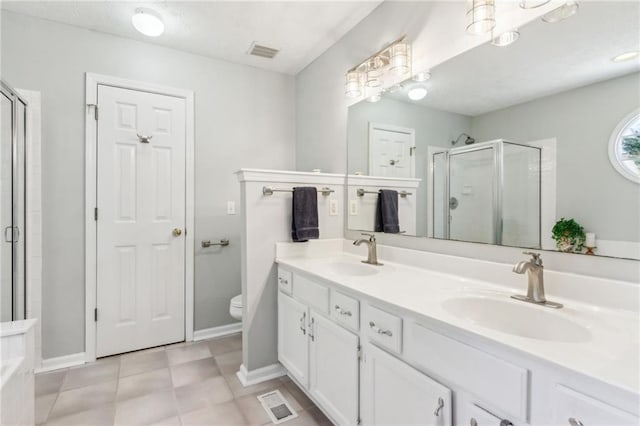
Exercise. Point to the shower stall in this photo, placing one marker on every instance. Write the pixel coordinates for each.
(489, 193)
(13, 131)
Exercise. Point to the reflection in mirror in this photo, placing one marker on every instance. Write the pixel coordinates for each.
(508, 140)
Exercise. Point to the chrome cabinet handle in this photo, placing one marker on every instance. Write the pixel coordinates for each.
(439, 407)
(505, 422)
(144, 139)
(379, 330)
(283, 280)
(302, 322)
(574, 422)
(11, 234)
(342, 311)
(311, 324)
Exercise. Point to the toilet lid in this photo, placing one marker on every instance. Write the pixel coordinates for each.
(236, 301)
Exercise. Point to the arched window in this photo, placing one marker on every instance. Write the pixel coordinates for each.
(624, 147)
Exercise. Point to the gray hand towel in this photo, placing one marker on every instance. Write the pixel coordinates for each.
(387, 212)
(304, 214)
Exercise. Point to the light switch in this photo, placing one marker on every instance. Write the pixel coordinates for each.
(231, 207)
(353, 207)
(333, 207)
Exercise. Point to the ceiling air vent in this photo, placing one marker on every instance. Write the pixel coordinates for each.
(262, 51)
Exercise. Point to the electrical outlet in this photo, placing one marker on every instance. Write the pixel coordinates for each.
(231, 207)
(353, 207)
(333, 207)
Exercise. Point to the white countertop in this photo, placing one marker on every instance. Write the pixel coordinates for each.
(611, 355)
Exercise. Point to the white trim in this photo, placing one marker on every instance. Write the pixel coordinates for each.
(223, 330)
(259, 375)
(62, 362)
(91, 93)
(261, 175)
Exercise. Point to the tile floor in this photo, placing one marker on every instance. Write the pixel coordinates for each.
(181, 384)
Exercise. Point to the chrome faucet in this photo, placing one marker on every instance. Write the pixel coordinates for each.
(535, 275)
(372, 255)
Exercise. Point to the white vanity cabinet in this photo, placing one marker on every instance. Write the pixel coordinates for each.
(573, 408)
(319, 354)
(393, 393)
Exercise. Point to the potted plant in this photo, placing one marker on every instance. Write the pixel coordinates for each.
(569, 235)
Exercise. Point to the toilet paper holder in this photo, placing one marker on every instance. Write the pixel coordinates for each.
(223, 242)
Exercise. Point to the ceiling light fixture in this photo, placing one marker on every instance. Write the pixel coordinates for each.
(506, 38)
(626, 56)
(565, 11)
(422, 76)
(147, 22)
(417, 92)
(532, 4)
(381, 68)
(481, 16)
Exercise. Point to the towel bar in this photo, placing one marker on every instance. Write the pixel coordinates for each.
(223, 242)
(268, 190)
(361, 193)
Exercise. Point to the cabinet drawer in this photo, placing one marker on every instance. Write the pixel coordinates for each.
(345, 310)
(383, 328)
(586, 410)
(495, 381)
(285, 281)
(314, 295)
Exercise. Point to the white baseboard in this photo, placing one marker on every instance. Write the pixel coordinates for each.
(248, 378)
(223, 330)
(61, 362)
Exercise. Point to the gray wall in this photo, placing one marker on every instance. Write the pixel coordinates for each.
(245, 117)
(589, 189)
(433, 128)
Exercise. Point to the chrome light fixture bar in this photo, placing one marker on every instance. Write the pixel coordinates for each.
(395, 58)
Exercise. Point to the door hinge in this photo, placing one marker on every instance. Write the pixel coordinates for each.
(359, 421)
(95, 314)
(95, 213)
(359, 353)
(411, 150)
(95, 110)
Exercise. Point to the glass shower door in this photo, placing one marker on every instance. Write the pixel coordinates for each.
(12, 205)
(472, 194)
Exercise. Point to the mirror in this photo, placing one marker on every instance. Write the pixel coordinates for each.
(509, 140)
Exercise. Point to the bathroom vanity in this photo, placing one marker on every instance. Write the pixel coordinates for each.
(401, 344)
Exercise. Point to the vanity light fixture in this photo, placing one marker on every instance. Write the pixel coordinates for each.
(374, 98)
(626, 56)
(481, 16)
(532, 4)
(147, 22)
(422, 76)
(353, 86)
(417, 92)
(506, 38)
(565, 11)
(395, 58)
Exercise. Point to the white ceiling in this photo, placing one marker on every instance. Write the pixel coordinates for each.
(219, 29)
(547, 59)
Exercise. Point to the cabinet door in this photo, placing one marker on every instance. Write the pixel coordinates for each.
(393, 393)
(573, 408)
(333, 371)
(293, 347)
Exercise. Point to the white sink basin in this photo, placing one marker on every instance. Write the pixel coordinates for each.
(517, 318)
(352, 269)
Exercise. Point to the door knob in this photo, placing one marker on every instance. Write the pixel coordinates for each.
(177, 232)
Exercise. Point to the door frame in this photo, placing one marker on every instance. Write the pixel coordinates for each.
(92, 81)
(397, 129)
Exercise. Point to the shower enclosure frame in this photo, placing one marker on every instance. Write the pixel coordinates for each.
(497, 146)
(16, 234)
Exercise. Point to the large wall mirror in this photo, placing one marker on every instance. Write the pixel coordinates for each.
(509, 140)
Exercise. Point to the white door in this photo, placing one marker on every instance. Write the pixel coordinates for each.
(293, 346)
(141, 219)
(391, 151)
(393, 393)
(333, 369)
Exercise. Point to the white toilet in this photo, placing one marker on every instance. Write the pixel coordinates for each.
(235, 307)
